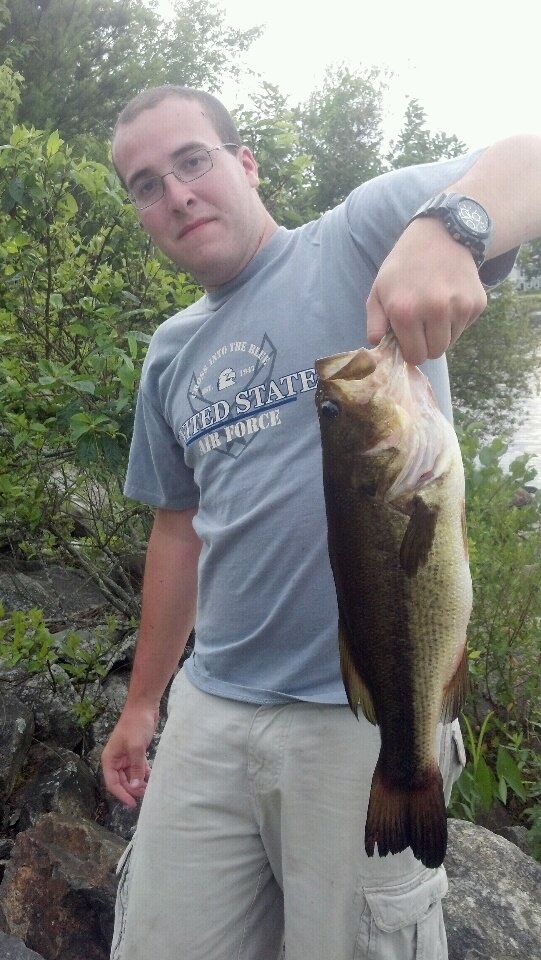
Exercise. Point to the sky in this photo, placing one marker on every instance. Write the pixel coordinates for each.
(475, 71)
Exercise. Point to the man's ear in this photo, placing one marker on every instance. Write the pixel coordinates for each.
(249, 164)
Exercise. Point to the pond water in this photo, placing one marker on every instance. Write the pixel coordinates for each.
(527, 435)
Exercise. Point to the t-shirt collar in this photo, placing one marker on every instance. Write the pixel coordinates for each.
(216, 297)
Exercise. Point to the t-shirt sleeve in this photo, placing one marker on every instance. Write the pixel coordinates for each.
(157, 473)
(380, 210)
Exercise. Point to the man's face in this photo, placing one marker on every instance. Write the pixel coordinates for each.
(212, 226)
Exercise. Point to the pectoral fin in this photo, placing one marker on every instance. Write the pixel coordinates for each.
(419, 536)
(357, 692)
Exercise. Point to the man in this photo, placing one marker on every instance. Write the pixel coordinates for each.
(253, 817)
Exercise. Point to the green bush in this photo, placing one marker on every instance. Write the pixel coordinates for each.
(81, 290)
(495, 363)
(503, 713)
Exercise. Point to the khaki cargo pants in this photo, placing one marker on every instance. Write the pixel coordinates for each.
(252, 829)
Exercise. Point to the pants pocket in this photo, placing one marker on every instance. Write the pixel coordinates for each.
(122, 871)
(404, 922)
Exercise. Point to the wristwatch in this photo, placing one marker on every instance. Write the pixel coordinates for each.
(465, 219)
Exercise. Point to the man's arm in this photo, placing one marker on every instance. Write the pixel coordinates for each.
(428, 288)
(168, 614)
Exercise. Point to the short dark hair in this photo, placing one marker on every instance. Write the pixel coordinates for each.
(212, 109)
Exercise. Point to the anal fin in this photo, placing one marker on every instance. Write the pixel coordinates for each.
(357, 691)
(455, 694)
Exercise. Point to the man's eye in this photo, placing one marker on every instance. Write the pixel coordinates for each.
(146, 188)
(194, 163)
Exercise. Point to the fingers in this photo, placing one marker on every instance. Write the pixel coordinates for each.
(427, 290)
(426, 329)
(124, 761)
(377, 323)
(125, 777)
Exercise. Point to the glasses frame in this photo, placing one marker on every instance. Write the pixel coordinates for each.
(177, 176)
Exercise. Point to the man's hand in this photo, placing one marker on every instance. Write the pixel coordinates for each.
(124, 761)
(428, 290)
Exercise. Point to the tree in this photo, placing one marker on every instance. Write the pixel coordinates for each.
(10, 97)
(83, 59)
(529, 259)
(416, 144)
(269, 129)
(340, 129)
(492, 364)
(81, 291)
(199, 48)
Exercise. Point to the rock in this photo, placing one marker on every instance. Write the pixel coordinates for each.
(59, 888)
(519, 836)
(59, 781)
(6, 846)
(493, 908)
(61, 592)
(113, 695)
(13, 949)
(19, 592)
(121, 820)
(16, 730)
(51, 698)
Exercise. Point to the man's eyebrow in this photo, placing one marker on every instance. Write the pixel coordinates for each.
(148, 172)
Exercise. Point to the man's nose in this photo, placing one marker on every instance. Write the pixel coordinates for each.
(177, 193)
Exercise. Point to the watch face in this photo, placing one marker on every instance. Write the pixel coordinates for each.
(473, 217)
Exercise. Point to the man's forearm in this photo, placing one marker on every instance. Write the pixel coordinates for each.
(168, 605)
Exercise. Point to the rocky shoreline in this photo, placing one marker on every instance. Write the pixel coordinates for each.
(61, 836)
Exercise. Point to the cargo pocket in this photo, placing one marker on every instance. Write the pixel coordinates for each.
(404, 922)
(452, 756)
(123, 872)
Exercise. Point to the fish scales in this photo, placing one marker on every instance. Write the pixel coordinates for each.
(394, 495)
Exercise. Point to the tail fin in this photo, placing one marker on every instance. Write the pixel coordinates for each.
(400, 817)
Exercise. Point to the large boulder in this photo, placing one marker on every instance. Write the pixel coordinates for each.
(56, 780)
(60, 592)
(13, 949)
(59, 888)
(51, 697)
(493, 908)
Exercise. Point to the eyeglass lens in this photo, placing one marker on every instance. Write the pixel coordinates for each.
(151, 189)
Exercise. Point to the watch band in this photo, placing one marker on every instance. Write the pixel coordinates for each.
(454, 210)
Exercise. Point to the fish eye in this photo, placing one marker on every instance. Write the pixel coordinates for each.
(330, 409)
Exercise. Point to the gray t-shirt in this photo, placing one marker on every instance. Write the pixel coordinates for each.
(226, 420)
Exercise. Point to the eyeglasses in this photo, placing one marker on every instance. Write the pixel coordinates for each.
(149, 190)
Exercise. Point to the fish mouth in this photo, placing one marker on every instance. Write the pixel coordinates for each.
(395, 410)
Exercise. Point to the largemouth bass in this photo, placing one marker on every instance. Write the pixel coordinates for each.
(394, 495)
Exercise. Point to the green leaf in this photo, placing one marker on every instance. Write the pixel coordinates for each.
(53, 143)
(16, 190)
(140, 336)
(68, 206)
(484, 783)
(19, 439)
(126, 376)
(79, 330)
(509, 771)
(56, 300)
(84, 386)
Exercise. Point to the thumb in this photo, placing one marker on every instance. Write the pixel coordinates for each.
(377, 323)
(138, 769)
